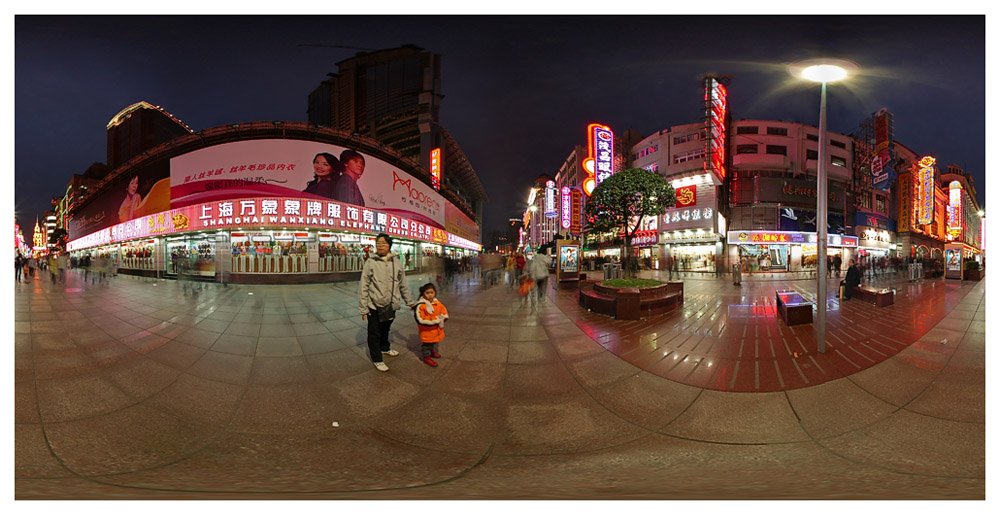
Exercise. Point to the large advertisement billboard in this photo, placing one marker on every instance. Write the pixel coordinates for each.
(925, 190)
(297, 168)
(141, 193)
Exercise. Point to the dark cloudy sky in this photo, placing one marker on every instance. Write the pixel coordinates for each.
(519, 90)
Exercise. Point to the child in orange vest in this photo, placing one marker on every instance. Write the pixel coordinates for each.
(430, 314)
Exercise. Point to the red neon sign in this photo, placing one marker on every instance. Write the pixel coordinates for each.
(436, 168)
(717, 104)
(599, 162)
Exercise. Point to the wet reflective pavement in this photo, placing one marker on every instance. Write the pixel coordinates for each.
(164, 390)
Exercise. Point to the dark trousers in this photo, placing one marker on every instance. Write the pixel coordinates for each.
(378, 336)
(540, 286)
(427, 348)
(848, 289)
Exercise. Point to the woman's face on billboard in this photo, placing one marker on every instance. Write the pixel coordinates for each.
(321, 167)
(133, 185)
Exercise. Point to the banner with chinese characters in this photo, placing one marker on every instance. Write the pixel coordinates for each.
(787, 238)
(139, 193)
(925, 190)
(298, 168)
(882, 170)
(272, 212)
(576, 211)
(645, 238)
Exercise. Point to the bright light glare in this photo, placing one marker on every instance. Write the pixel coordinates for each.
(824, 73)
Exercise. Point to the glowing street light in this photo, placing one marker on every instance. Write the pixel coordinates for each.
(822, 70)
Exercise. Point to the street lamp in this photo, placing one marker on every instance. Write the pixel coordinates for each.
(822, 70)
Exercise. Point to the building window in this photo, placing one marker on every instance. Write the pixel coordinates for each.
(812, 137)
(646, 151)
(838, 144)
(838, 161)
(777, 131)
(688, 156)
(880, 203)
(694, 136)
(746, 130)
(812, 154)
(777, 149)
(866, 200)
(746, 149)
(652, 167)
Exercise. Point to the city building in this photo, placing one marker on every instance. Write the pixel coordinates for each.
(772, 196)
(251, 203)
(962, 212)
(393, 96)
(138, 128)
(50, 227)
(541, 215)
(78, 187)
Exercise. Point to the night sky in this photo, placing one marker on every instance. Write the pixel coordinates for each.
(519, 90)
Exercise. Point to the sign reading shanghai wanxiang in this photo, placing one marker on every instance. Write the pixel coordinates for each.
(271, 212)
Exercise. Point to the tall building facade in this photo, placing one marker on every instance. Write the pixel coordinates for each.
(138, 128)
(394, 97)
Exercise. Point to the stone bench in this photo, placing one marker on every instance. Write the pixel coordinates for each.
(881, 297)
(793, 308)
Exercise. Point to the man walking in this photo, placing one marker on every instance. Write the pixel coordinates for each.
(539, 270)
(852, 279)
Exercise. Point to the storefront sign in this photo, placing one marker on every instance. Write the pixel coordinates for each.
(882, 171)
(550, 200)
(436, 169)
(575, 211)
(716, 110)
(688, 215)
(645, 238)
(271, 212)
(955, 209)
(604, 152)
(925, 191)
(787, 238)
(874, 220)
(565, 208)
(686, 196)
(793, 193)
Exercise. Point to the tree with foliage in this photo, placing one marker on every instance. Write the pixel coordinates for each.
(622, 200)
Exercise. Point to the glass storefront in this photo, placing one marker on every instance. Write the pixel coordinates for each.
(139, 255)
(693, 257)
(261, 253)
(191, 255)
(765, 258)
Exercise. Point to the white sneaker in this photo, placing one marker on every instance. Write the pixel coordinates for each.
(382, 367)
(391, 352)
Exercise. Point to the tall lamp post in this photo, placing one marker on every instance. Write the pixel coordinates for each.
(822, 70)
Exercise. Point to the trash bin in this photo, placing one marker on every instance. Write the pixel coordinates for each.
(612, 271)
(737, 275)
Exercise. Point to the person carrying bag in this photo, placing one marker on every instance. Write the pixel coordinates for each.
(383, 283)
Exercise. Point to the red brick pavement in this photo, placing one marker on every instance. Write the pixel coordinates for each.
(730, 338)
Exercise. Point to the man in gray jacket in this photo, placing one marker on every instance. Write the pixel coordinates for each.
(383, 282)
(539, 270)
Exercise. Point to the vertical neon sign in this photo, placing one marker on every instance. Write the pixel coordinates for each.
(550, 200)
(598, 165)
(955, 209)
(436, 168)
(716, 108)
(925, 190)
(565, 207)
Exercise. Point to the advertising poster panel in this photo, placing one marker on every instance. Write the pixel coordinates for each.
(297, 168)
(458, 223)
(882, 172)
(568, 268)
(142, 193)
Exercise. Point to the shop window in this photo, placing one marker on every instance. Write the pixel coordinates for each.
(777, 131)
(777, 150)
(746, 149)
(746, 129)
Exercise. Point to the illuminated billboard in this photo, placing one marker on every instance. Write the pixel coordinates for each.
(271, 212)
(436, 169)
(716, 110)
(575, 211)
(925, 190)
(599, 164)
(955, 210)
(298, 168)
(882, 171)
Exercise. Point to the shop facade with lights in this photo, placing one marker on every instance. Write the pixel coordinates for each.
(784, 251)
(248, 212)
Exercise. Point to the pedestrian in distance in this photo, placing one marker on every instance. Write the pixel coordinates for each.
(383, 285)
(836, 265)
(18, 267)
(539, 271)
(852, 279)
(430, 314)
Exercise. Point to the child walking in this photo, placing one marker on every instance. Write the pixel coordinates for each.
(430, 314)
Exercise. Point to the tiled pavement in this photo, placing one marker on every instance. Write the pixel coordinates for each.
(147, 390)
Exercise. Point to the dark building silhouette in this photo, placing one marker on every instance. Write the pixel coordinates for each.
(138, 128)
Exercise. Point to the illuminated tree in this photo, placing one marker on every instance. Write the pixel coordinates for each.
(621, 201)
